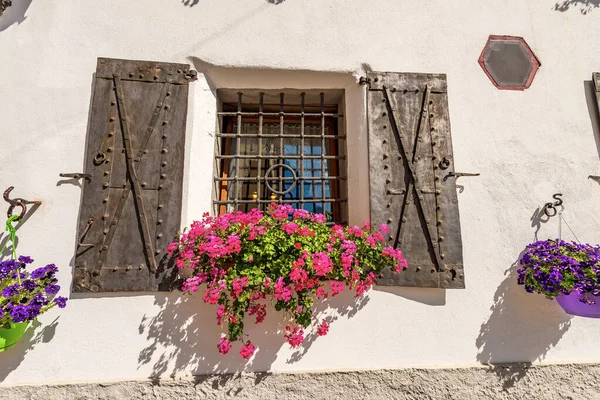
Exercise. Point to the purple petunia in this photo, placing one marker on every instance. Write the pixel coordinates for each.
(29, 285)
(19, 313)
(10, 291)
(24, 295)
(7, 267)
(25, 259)
(44, 272)
(61, 302)
(33, 310)
(554, 267)
(52, 289)
(39, 273)
(40, 300)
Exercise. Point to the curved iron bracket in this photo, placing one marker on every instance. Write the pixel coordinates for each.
(550, 208)
(17, 202)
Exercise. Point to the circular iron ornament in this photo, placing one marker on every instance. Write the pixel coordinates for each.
(99, 158)
(548, 207)
(292, 186)
(445, 163)
(11, 208)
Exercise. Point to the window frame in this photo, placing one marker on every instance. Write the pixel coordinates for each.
(334, 157)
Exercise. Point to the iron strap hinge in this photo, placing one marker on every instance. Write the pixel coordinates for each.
(133, 178)
(363, 80)
(413, 184)
(132, 173)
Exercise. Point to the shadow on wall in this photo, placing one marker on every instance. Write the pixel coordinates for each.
(429, 296)
(183, 337)
(4, 238)
(585, 6)
(538, 218)
(34, 335)
(522, 327)
(14, 14)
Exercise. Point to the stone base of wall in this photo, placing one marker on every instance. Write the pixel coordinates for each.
(512, 381)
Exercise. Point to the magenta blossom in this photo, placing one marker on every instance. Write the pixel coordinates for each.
(247, 350)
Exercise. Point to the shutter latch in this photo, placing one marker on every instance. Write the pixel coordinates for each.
(458, 175)
(77, 175)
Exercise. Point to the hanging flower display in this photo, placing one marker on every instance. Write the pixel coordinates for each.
(24, 295)
(569, 272)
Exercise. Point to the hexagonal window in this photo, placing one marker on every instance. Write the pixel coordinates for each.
(509, 62)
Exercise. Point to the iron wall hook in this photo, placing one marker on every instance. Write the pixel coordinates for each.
(17, 202)
(550, 208)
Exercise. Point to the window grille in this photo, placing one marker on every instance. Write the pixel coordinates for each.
(281, 153)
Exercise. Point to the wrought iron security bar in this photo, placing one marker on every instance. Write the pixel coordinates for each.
(282, 153)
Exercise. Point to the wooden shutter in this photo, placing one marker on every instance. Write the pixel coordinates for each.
(410, 157)
(131, 207)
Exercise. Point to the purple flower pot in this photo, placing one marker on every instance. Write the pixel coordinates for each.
(571, 304)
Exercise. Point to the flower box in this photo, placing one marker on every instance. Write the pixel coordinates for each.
(289, 258)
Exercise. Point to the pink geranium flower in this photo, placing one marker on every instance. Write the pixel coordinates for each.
(247, 350)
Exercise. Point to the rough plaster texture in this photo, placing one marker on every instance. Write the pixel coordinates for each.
(526, 145)
(502, 382)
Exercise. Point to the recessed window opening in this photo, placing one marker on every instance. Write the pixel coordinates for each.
(286, 147)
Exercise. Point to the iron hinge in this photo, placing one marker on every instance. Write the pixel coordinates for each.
(364, 80)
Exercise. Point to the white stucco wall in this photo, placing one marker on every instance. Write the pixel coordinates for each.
(526, 145)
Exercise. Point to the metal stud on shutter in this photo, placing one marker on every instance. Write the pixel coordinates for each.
(131, 205)
(410, 157)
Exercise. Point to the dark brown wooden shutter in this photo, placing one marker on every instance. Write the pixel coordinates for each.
(131, 207)
(410, 156)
